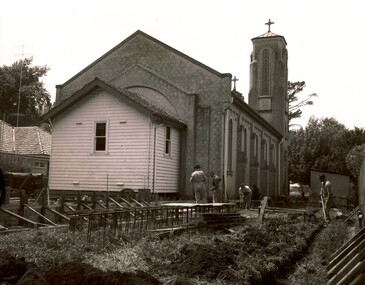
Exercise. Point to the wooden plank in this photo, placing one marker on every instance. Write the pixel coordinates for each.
(86, 206)
(262, 209)
(359, 279)
(347, 265)
(353, 271)
(115, 202)
(70, 208)
(345, 248)
(40, 215)
(101, 205)
(127, 202)
(146, 203)
(299, 211)
(58, 214)
(353, 212)
(19, 217)
(138, 203)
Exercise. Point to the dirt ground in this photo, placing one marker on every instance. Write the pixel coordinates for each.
(204, 261)
(16, 271)
(194, 260)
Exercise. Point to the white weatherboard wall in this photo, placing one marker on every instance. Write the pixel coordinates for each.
(167, 166)
(129, 160)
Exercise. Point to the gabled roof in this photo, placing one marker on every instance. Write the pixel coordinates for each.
(138, 32)
(131, 97)
(24, 140)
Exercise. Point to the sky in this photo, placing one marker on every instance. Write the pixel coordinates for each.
(326, 41)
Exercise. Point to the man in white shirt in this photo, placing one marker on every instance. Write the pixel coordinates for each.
(199, 180)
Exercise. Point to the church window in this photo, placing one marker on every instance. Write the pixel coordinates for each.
(255, 145)
(272, 154)
(244, 140)
(265, 72)
(264, 151)
(167, 140)
(100, 138)
(230, 142)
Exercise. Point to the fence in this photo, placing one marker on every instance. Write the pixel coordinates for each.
(147, 218)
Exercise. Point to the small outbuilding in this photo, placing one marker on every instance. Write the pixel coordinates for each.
(341, 186)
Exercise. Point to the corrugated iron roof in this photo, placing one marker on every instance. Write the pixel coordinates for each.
(24, 140)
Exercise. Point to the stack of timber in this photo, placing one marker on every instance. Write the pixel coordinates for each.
(347, 265)
(222, 219)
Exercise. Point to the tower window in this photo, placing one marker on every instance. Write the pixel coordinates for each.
(265, 72)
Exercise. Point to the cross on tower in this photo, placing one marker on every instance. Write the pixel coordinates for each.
(269, 23)
(234, 82)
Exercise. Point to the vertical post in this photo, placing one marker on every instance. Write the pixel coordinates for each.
(62, 206)
(262, 209)
(19, 91)
(23, 200)
(44, 205)
(93, 200)
(107, 190)
(78, 200)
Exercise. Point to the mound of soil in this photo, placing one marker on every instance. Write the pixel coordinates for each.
(16, 271)
(206, 260)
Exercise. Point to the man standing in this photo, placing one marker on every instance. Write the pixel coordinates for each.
(198, 179)
(216, 189)
(326, 197)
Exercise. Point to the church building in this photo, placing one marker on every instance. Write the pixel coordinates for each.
(144, 114)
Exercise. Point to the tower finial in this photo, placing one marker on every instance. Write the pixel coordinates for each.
(269, 23)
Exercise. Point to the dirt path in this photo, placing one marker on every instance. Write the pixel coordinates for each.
(312, 268)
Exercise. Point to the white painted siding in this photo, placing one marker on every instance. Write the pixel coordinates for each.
(130, 149)
(168, 166)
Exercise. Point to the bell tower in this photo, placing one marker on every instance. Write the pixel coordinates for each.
(268, 92)
(269, 79)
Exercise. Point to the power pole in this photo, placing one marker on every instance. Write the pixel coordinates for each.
(20, 85)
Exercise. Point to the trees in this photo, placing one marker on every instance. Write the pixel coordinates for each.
(21, 89)
(294, 88)
(324, 144)
(354, 160)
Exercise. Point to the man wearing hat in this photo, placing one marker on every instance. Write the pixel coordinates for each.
(198, 179)
(326, 197)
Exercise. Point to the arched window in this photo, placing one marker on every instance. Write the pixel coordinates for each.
(244, 140)
(230, 142)
(265, 72)
(264, 151)
(272, 154)
(255, 145)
